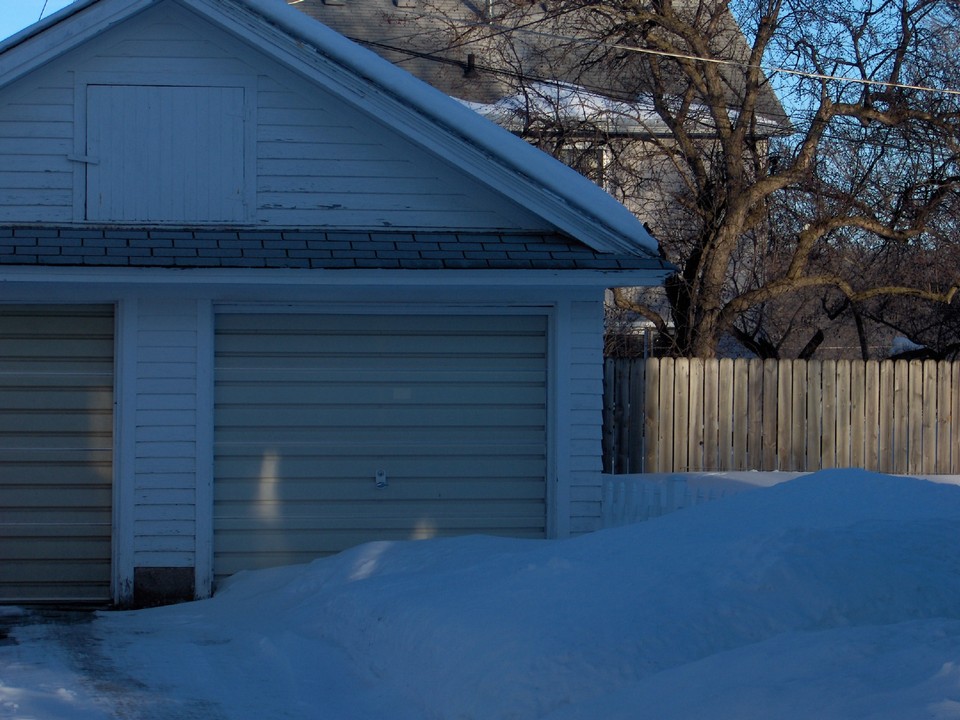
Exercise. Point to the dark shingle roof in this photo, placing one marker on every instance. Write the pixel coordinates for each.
(309, 249)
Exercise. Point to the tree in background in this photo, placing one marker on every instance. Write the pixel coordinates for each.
(797, 160)
(783, 226)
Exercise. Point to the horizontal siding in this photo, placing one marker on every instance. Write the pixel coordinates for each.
(36, 135)
(321, 163)
(318, 161)
(586, 373)
(165, 437)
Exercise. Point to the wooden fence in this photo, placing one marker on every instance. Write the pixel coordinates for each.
(685, 415)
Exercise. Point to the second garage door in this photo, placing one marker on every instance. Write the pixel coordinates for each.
(56, 451)
(336, 430)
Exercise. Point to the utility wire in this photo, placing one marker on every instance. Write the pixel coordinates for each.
(43, 10)
(523, 28)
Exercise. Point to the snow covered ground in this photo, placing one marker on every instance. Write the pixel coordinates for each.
(834, 595)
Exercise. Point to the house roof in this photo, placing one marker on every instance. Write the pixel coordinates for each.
(306, 249)
(491, 155)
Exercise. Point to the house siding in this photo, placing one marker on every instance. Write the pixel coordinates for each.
(166, 434)
(586, 399)
(315, 160)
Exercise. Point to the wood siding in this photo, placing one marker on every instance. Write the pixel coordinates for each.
(666, 415)
(56, 450)
(309, 408)
(586, 387)
(318, 161)
(166, 434)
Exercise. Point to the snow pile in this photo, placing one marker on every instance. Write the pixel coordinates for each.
(835, 595)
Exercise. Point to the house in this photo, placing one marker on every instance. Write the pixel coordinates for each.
(264, 296)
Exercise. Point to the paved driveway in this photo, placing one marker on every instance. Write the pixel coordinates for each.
(52, 667)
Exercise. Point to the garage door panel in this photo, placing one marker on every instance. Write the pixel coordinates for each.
(350, 392)
(56, 450)
(426, 416)
(309, 408)
(342, 463)
(304, 490)
(346, 325)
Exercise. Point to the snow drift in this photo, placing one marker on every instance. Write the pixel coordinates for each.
(835, 595)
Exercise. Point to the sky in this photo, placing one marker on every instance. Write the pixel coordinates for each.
(18, 14)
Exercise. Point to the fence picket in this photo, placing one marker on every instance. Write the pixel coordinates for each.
(755, 413)
(842, 403)
(681, 413)
(886, 402)
(611, 375)
(667, 461)
(711, 416)
(784, 414)
(725, 440)
(827, 425)
(942, 433)
(651, 417)
(811, 453)
(676, 415)
(770, 433)
(740, 414)
(955, 420)
(696, 426)
(928, 452)
(635, 438)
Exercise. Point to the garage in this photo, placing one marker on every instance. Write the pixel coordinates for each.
(333, 430)
(56, 453)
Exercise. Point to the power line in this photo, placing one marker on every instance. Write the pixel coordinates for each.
(524, 29)
(746, 66)
(43, 10)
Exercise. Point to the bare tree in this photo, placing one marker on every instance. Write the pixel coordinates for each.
(781, 151)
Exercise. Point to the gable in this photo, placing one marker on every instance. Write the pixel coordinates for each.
(168, 119)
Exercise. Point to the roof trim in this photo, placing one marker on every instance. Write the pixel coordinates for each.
(428, 117)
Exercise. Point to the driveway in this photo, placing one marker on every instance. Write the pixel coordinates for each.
(52, 667)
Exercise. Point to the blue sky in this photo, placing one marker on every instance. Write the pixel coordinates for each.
(17, 14)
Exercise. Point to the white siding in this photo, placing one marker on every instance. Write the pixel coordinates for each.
(166, 440)
(318, 161)
(586, 399)
(36, 136)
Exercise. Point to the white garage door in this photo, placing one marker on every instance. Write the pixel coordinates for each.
(450, 411)
(56, 438)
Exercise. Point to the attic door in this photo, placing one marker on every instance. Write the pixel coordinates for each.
(165, 154)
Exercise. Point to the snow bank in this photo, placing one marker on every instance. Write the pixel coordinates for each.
(766, 604)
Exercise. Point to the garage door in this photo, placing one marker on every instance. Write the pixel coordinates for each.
(336, 430)
(56, 439)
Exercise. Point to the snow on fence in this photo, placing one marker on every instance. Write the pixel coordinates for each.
(687, 415)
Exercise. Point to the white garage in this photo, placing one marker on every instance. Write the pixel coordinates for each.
(302, 301)
(332, 430)
(56, 450)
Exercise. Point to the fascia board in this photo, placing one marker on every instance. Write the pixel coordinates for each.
(47, 40)
(434, 121)
(208, 279)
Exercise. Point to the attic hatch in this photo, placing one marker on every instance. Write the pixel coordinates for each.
(158, 153)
